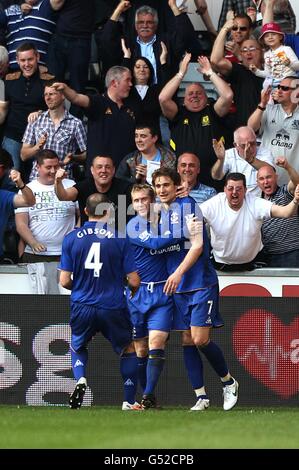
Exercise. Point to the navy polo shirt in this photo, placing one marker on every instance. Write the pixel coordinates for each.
(25, 95)
(118, 187)
(111, 130)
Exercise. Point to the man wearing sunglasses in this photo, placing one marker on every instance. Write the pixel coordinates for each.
(237, 30)
(278, 123)
(243, 82)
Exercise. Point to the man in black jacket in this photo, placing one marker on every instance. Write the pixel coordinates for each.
(146, 41)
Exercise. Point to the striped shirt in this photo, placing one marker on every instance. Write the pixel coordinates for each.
(281, 235)
(36, 27)
(63, 139)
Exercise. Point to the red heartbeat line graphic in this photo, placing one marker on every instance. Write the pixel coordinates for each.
(269, 350)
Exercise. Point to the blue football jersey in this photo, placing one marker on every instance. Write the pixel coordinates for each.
(99, 260)
(173, 234)
(150, 267)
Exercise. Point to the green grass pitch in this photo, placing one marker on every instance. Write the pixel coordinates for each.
(24, 427)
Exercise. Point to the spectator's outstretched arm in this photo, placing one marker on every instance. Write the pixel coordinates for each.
(268, 15)
(26, 198)
(57, 4)
(202, 10)
(217, 172)
(168, 105)
(29, 150)
(123, 6)
(255, 119)
(293, 174)
(218, 60)
(291, 209)
(64, 194)
(225, 99)
(71, 95)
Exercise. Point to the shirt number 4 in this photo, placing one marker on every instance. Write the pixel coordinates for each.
(93, 259)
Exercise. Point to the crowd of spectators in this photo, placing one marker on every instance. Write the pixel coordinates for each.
(236, 155)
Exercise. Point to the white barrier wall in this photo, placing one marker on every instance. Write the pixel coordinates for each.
(258, 283)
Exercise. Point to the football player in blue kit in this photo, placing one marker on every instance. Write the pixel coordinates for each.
(151, 310)
(95, 261)
(195, 293)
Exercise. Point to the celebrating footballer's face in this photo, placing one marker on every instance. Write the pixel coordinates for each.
(165, 189)
(142, 201)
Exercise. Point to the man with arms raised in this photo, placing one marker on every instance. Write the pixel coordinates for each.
(235, 219)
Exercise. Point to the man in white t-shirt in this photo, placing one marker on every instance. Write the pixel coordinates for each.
(235, 219)
(43, 227)
(245, 157)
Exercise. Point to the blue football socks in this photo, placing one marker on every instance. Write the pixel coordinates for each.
(215, 357)
(79, 362)
(129, 373)
(194, 366)
(155, 364)
(142, 365)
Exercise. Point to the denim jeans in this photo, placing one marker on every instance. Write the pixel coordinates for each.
(14, 148)
(283, 260)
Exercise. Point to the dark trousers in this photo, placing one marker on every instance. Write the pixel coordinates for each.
(72, 55)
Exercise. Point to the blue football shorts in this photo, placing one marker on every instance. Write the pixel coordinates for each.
(150, 309)
(197, 308)
(87, 320)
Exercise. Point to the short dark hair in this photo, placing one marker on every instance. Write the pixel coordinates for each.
(27, 46)
(5, 159)
(168, 172)
(103, 156)
(44, 154)
(49, 83)
(152, 128)
(235, 177)
(93, 203)
(245, 17)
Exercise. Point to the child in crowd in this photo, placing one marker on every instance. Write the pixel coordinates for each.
(280, 61)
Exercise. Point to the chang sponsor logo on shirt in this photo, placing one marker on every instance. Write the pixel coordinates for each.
(282, 139)
(168, 249)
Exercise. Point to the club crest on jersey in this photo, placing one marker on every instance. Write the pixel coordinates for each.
(144, 236)
(205, 121)
(174, 218)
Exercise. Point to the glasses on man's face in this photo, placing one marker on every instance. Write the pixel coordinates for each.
(285, 88)
(240, 28)
(249, 49)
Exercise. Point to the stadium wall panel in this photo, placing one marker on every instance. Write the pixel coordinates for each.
(260, 341)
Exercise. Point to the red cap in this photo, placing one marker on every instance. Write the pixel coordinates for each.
(271, 28)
